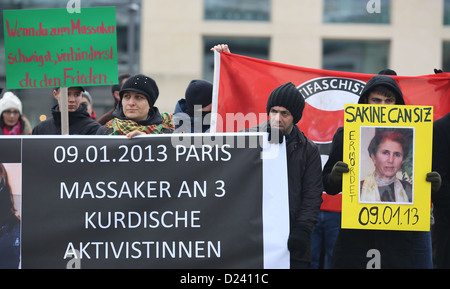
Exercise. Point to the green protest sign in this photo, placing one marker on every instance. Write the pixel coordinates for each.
(53, 48)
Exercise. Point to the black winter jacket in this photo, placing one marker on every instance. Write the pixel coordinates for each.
(441, 162)
(80, 123)
(304, 169)
(304, 178)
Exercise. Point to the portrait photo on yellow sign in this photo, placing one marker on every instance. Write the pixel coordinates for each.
(388, 150)
(386, 171)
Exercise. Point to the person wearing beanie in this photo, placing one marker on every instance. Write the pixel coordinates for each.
(287, 99)
(135, 113)
(80, 122)
(12, 121)
(397, 248)
(192, 113)
(285, 109)
(387, 72)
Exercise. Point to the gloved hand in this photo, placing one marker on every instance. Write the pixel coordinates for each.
(336, 172)
(299, 239)
(275, 135)
(435, 179)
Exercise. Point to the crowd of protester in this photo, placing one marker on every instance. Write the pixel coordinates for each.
(134, 112)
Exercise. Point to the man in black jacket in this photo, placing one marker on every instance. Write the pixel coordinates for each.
(285, 108)
(80, 122)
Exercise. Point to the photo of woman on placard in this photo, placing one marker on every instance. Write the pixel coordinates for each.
(389, 152)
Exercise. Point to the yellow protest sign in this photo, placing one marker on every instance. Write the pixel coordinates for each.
(388, 150)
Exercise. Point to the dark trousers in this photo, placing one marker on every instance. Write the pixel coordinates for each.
(352, 249)
(441, 238)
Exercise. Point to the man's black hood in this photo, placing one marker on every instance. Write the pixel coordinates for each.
(382, 80)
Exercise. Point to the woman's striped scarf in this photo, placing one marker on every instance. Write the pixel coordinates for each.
(123, 127)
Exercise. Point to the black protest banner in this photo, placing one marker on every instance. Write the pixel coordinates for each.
(150, 202)
(10, 150)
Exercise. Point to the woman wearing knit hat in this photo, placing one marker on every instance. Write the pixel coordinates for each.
(135, 113)
(12, 121)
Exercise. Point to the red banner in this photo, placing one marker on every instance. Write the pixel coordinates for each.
(244, 85)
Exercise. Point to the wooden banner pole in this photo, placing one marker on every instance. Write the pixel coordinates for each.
(64, 109)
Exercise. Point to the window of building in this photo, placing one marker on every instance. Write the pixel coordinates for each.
(355, 56)
(446, 12)
(252, 47)
(238, 10)
(357, 11)
(446, 57)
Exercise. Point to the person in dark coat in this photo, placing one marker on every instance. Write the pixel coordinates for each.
(115, 91)
(136, 113)
(80, 122)
(441, 198)
(285, 109)
(193, 113)
(352, 246)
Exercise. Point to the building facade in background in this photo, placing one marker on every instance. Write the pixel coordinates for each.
(173, 39)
